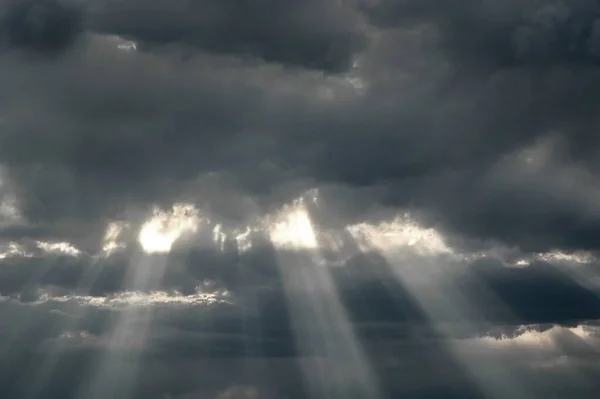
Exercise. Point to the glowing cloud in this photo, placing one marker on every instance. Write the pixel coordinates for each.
(159, 233)
(136, 299)
(63, 248)
(14, 250)
(396, 234)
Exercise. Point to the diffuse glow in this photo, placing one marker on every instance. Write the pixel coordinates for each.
(319, 318)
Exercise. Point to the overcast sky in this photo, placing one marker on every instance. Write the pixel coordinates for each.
(299, 199)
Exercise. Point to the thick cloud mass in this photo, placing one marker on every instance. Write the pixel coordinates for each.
(446, 157)
(314, 34)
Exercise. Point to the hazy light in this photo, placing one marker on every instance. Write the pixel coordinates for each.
(392, 239)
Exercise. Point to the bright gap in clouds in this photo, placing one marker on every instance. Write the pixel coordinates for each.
(159, 233)
(293, 229)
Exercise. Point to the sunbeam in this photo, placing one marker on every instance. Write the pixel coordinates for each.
(116, 370)
(337, 367)
(403, 243)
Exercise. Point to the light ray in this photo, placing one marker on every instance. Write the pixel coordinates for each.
(338, 367)
(117, 369)
(413, 255)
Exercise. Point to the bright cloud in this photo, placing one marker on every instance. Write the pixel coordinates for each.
(63, 248)
(401, 232)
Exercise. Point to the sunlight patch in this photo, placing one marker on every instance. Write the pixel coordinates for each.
(159, 233)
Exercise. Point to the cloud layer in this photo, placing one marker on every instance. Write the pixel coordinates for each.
(211, 176)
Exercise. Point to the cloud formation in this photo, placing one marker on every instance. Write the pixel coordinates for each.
(165, 164)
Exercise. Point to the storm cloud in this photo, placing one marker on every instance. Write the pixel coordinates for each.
(413, 181)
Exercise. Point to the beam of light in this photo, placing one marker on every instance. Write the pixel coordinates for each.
(117, 369)
(110, 245)
(318, 317)
(413, 255)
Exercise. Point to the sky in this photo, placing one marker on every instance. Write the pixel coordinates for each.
(299, 199)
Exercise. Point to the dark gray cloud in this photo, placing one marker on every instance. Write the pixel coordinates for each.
(441, 112)
(314, 34)
(476, 117)
(46, 26)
